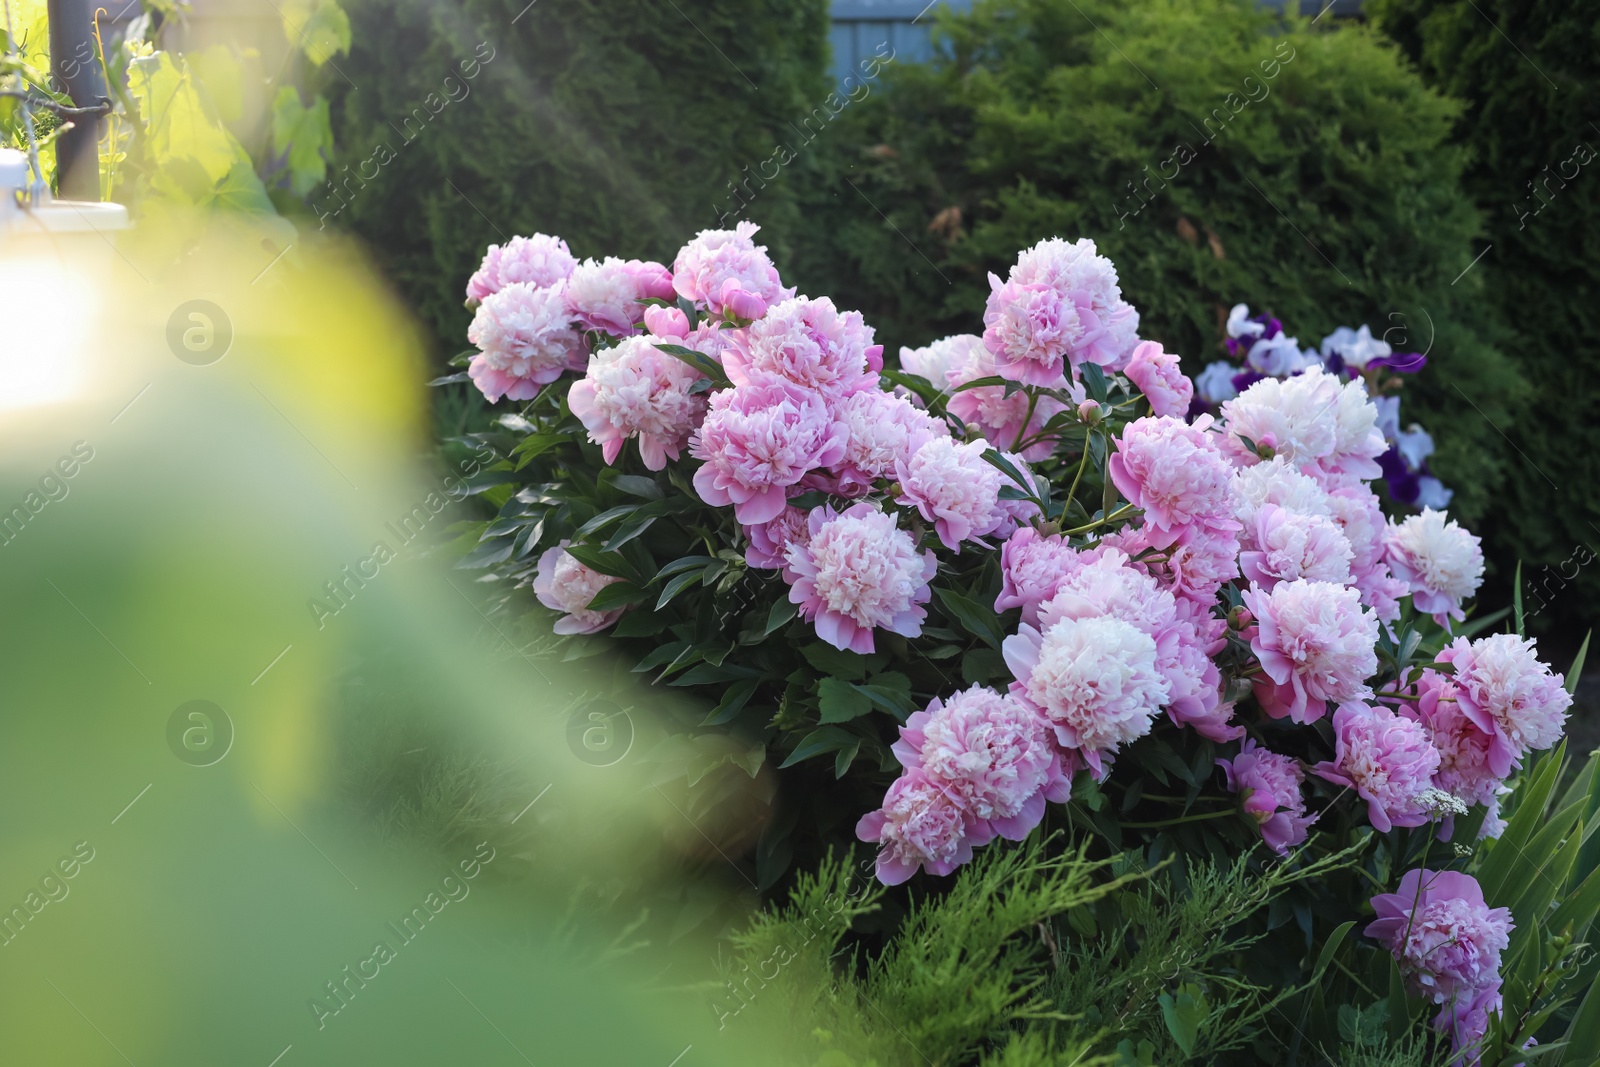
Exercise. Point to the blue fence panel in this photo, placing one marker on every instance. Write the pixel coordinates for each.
(861, 26)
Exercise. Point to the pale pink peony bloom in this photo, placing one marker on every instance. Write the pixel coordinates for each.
(1177, 474)
(1357, 441)
(665, 322)
(1089, 280)
(955, 488)
(541, 261)
(1270, 784)
(1196, 565)
(1030, 329)
(1466, 1019)
(1159, 378)
(525, 341)
(1509, 694)
(1360, 515)
(563, 584)
(1294, 417)
(633, 389)
(995, 755)
(756, 441)
(712, 339)
(1276, 482)
(767, 543)
(935, 361)
(882, 430)
(1443, 934)
(605, 296)
(1095, 679)
(1290, 546)
(858, 572)
(1440, 562)
(724, 270)
(920, 825)
(1003, 420)
(1387, 759)
(1107, 585)
(1463, 747)
(811, 343)
(1033, 568)
(1316, 644)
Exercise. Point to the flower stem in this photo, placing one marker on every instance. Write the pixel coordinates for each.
(1183, 819)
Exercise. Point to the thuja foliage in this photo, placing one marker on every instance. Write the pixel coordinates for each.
(1526, 72)
(1040, 954)
(618, 124)
(1215, 151)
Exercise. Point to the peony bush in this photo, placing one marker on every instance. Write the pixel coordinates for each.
(1032, 577)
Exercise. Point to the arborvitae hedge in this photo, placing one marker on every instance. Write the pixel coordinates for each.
(1215, 152)
(616, 124)
(1529, 79)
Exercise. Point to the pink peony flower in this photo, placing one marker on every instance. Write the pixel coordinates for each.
(810, 343)
(768, 542)
(1466, 1020)
(935, 361)
(1276, 482)
(1291, 545)
(633, 389)
(1158, 377)
(1463, 748)
(1387, 760)
(1195, 566)
(1271, 784)
(724, 270)
(953, 487)
(606, 296)
(1089, 280)
(1508, 694)
(882, 431)
(525, 341)
(920, 825)
(712, 339)
(1033, 568)
(756, 441)
(1440, 562)
(563, 584)
(858, 572)
(1003, 420)
(1446, 939)
(1315, 643)
(993, 754)
(541, 261)
(1030, 329)
(1185, 638)
(1176, 473)
(1095, 679)
(1295, 422)
(1360, 515)
(664, 322)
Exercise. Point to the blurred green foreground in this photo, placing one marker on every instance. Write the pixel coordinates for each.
(375, 838)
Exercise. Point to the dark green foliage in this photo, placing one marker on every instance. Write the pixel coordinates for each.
(1528, 80)
(1332, 198)
(615, 124)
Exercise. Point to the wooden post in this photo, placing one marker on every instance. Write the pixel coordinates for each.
(76, 66)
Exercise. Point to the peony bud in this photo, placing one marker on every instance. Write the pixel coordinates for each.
(666, 322)
(1089, 412)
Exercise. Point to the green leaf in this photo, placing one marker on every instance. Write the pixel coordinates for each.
(302, 137)
(617, 595)
(782, 611)
(732, 702)
(1184, 1012)
(604, 562)
(1094, 382)
(835, 662)
(638, 485)
(1516, 597)
(319, 27)
(1330, 947)
(676, 586)
(701, 362)
(604, 519)
(979, 621)
(685, 563)
(1575, 672)
(1584, 1033)
(824, 739)
(839, 701)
